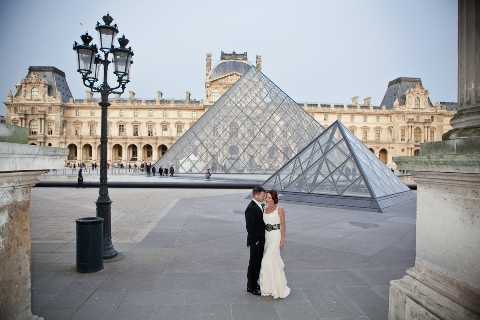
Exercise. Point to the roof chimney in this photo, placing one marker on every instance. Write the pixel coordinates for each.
(258, 63)
(355, 100)
(208, 64)
(187, 96)
(159, 96)
(367, 101)
(131, 95)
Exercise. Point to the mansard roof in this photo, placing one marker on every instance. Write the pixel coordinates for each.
(398, 88)
(55, 78)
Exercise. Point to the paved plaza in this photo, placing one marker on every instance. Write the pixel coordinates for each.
(184, 257)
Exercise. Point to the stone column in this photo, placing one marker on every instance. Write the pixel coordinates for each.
(20, 167)
(444, 283)
(466, 122)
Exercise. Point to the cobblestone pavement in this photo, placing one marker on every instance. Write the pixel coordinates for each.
(184, 257)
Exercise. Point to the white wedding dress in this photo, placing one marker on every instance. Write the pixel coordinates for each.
(273, 281)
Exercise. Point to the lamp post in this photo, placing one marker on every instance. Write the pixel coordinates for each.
(90, 60)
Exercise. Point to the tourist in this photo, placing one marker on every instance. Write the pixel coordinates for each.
(153, 170)
(172, 171)
(147, 168)
(160, 171)
(165, 171)
(208, 174)
(80, 178)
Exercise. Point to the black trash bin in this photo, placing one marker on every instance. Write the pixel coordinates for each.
(89, 244)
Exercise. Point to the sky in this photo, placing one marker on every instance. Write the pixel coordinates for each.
(316, 51)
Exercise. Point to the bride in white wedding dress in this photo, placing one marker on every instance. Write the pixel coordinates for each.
(273, 281)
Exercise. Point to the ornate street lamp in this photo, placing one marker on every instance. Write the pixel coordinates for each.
(90, 61)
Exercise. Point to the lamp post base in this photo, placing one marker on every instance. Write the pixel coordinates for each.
(104, 211)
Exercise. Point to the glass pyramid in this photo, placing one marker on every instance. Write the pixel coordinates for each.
(337, 169)
(254, 127)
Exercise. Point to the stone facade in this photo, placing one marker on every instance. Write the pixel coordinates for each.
(142, 130)
(20, 166)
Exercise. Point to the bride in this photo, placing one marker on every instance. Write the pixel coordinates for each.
(272, 275)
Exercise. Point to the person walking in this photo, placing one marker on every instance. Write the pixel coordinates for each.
(80, 178)
(165, 171)
(153, 170)
(172, 171)
(160, 171)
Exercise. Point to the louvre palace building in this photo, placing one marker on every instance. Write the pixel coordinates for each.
(143, 130)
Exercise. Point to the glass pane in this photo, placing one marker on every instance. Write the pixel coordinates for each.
(253, 128)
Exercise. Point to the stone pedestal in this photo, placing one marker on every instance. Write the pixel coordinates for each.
(445, 280)
(20, 166)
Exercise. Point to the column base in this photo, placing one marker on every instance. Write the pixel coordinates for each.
(427, 294)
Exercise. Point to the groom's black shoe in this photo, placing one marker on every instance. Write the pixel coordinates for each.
(255, 291)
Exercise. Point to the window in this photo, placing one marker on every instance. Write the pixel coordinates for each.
(121, 129)
(432, 118)
(364, 134)
(120, 113)
(77, 131)
(77, 112)
(164, 114)
(352, 130)
(378, 132)
(164, 129)
(378, 118)
(135, 130)
(364, 118)
(339, 117)
(403, 117)
(417, 135)
(352, 118)
(50, 109)
(91, 129)
(150, 130)
(179, 114)
(417, 102)
(35, 93)
(194, 114)
(92, 113)
(179, 128)
(325, 116)
(135, 113)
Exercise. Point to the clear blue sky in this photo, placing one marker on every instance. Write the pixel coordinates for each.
(326, 51)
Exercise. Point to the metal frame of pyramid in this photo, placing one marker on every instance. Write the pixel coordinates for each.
(253, 128)
(337, 169)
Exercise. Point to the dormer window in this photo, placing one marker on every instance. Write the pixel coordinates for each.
(35, 93)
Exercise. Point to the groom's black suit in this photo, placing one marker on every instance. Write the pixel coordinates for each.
(256, 242)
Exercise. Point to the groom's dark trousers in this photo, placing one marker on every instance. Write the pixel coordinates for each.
(256, 242)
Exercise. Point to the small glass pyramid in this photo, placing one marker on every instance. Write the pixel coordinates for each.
(254, 127)
(337, 169)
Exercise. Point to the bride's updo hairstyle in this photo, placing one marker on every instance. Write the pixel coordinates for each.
(274, 195)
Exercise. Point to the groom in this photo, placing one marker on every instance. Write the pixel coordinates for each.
(255, 238)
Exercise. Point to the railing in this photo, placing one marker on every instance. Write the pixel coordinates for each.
(88, 171)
